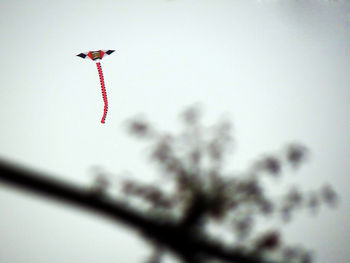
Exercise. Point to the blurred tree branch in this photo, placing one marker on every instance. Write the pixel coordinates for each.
(202, 195)
(174, 236)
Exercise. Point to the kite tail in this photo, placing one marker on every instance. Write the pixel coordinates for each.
(104, 94)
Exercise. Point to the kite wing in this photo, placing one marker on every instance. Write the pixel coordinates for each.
(95, 55)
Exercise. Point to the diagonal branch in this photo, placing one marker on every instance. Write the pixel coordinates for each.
(181, 241)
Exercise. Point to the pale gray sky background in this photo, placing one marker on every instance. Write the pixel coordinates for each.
(278, 69)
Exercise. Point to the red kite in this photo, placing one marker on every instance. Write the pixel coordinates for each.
(97, 56)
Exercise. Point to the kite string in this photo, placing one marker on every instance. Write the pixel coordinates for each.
(104, 94)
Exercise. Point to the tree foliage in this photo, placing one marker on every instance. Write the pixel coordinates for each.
(202, 195)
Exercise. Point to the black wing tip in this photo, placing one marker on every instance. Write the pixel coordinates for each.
(82, 55)
(108, 52)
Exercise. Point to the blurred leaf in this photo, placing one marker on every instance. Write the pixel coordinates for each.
(268, 241)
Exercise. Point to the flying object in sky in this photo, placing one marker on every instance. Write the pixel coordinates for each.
(97, 56)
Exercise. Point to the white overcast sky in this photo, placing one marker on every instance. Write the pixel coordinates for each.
(278, 69)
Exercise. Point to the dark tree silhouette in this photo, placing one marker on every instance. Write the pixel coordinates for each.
(197, 196)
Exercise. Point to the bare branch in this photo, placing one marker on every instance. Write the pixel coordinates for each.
(170, 235)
